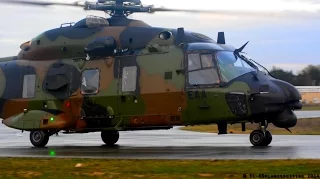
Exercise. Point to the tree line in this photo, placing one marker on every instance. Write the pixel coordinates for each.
(309, 76)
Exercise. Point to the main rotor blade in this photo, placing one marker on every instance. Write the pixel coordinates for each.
(234, 12)
(104, 5)
(38, 3)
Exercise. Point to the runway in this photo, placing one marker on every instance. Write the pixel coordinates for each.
(162, 144)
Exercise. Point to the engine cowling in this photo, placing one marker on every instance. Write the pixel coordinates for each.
(286, 119)
(101, 47)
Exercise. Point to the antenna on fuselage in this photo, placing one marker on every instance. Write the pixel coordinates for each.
(180, 36)
(242, 47)
(221, 38)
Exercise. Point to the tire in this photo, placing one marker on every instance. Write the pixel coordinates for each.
(110, 138)
(268, 138)
(39, 138)
(257, 138)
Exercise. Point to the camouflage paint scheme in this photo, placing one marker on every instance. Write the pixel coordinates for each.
(162, 97)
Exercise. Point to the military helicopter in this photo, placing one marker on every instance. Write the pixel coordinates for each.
(119, 74)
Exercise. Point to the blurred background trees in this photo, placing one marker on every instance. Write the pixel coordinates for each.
(309, 76)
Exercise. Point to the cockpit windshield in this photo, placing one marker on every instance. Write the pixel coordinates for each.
(232, 66)
(259, 66)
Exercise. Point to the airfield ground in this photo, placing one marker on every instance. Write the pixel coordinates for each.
(305, 126)
(138, 169)
(109, 167)
(311, 108)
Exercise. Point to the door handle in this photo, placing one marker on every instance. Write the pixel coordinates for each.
(180, 71)
(204, 107)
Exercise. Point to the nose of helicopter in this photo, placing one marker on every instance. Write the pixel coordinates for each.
(291, 94)
(275, 96)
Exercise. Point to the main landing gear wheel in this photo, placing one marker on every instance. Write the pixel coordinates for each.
(261, 137)
(39, 138)
(110, 137)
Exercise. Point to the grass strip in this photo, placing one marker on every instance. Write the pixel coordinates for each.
(55, 168)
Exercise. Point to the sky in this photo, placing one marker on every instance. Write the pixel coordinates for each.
(289, 38)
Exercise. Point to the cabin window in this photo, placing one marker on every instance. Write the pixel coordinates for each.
(29, 86)
(202, 70)
(129, 79)
(90, 81)
(194, 62)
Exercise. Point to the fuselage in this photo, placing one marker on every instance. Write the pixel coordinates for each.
(150, 82)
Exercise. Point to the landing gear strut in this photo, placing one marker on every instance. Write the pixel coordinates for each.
(261, 136)
(39, 138)
(110, 137)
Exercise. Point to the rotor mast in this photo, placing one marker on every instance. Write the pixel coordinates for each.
(121, 8)
(119, 12)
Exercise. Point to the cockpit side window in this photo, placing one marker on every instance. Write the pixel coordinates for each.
(202, 70)
(194, 62)
(206, 61)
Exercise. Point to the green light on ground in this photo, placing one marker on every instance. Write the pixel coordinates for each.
(52, 153)
(51, 119)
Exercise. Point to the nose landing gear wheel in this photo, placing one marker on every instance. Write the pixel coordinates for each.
(110, 137)
(39, 138)
(268, 138)
(258, 138)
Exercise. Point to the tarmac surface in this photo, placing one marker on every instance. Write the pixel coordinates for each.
(162, 144)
